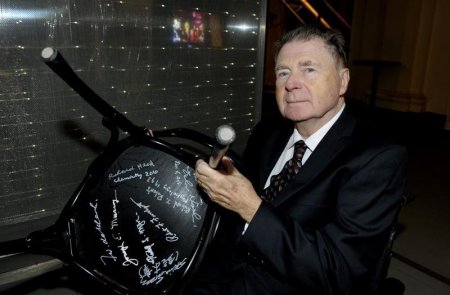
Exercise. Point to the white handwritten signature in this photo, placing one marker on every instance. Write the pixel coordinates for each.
(125, 178)
(170, 236)
(128, 261)
(157, 272)
(119, 172)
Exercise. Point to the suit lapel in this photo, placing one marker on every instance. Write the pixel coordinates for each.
(334, 143)
(271, 152)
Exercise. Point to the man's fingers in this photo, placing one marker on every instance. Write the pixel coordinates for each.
(199, 164)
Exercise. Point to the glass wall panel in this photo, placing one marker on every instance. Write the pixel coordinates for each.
(163, 64)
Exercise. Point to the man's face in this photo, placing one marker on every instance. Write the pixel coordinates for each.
(309, 83)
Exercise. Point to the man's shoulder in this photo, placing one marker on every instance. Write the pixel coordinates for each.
(267, 136)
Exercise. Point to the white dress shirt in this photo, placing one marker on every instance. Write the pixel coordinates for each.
(311, 142)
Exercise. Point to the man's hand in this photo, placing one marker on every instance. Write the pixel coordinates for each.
(228, 188)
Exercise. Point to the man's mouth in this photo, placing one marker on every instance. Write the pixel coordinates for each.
(291, 99)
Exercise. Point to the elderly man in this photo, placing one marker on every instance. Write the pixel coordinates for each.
(313, 213)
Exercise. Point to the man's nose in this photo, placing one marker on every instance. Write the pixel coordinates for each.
(293, 82)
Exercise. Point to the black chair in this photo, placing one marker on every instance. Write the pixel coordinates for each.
(389, 285)
(137, 223)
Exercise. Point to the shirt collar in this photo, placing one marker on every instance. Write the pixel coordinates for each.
(313, 141)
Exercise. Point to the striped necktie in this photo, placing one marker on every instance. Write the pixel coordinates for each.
(290, 169)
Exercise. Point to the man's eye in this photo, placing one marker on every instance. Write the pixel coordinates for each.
(281, 74)
(309, 70)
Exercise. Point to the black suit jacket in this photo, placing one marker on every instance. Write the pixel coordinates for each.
(325, 233)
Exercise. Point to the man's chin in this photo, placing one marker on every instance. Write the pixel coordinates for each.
(295, 119)
(295, 115)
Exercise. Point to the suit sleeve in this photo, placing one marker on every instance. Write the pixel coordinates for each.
(346, 249)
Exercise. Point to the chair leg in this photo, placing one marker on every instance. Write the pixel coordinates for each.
(392, 286)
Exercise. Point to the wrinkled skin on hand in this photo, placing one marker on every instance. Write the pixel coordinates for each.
(228, 188)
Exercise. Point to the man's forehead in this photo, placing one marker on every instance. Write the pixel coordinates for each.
(303, 51)
(301, 54)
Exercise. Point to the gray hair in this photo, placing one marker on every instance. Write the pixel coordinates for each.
(333, 39)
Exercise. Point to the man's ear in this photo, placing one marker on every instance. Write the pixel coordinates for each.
(344, 74)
